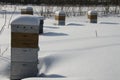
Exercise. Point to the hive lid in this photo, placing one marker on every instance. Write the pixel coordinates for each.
(92, 12)
(60, 12)
(26, 20)
(29, 8)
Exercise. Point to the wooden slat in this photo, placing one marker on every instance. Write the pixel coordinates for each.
(26, 12)
(24, 40)
(24, 44)
(92, 17)
(59, 17)
(24, 36)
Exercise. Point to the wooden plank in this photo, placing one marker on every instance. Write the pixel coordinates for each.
(24, 40)
(24, 11)
(92, 16)
(59, 17)
(27, 36)
(22, 44)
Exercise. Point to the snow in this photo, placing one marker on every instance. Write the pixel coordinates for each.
(29, 8)
(72, 52)
(26, 20)
(91, 12)
(60, 13)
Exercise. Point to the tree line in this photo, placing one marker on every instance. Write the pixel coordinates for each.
(64, 2)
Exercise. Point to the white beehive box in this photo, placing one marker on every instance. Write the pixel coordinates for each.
(23, 69)
(24, 54)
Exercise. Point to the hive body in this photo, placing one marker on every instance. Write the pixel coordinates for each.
(24, 47)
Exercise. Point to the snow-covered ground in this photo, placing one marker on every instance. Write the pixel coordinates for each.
(73, 51)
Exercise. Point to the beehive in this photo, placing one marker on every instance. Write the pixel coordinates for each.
(24, 46)
(92, 16)
(27, 10)
(60, 18)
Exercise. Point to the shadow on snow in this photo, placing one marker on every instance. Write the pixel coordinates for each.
(74, 24)
(109, 23)
(51, 27)
(54, 34)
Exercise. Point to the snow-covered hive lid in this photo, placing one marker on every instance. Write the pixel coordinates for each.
(29, 8)
(60, 13)
(26, 20)
(92, 12)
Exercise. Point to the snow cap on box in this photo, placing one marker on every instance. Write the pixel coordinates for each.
(26, 20)
(29, 8)
(60, 12)
(92, 12)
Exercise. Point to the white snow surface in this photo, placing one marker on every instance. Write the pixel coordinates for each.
(73, 51)
(26, 20)
(91, 12)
